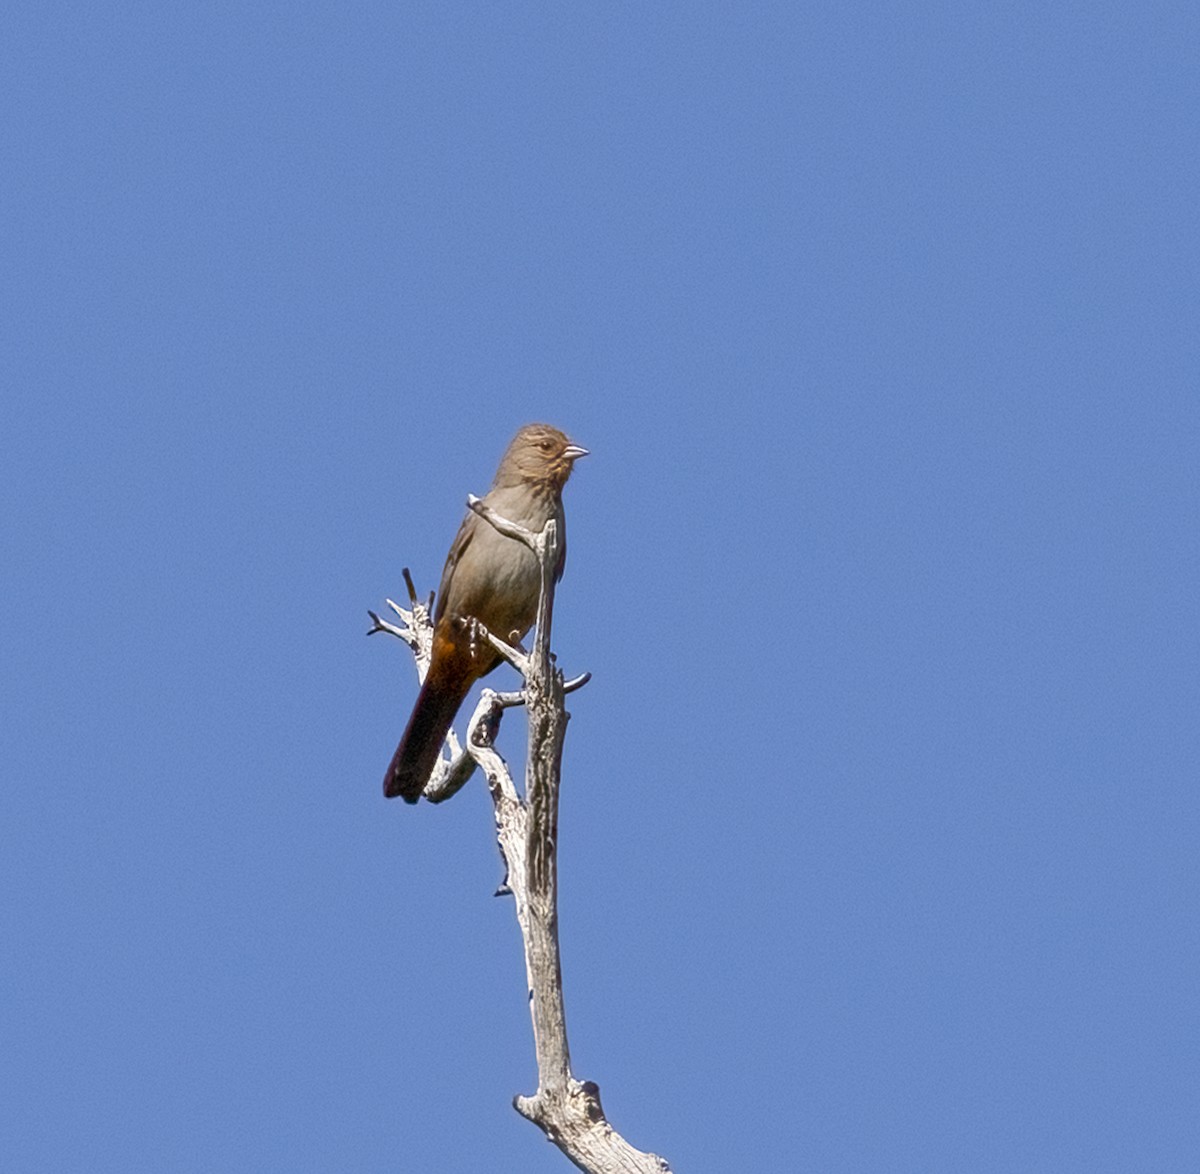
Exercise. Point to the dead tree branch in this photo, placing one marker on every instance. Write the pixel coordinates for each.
(567, 1110)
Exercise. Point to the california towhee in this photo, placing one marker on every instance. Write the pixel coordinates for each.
(489, 578)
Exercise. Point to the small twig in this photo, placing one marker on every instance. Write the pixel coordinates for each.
(417, 631)
(412, 591)
(502, 524)
(378, 625)
(514, 654)
(576, 682)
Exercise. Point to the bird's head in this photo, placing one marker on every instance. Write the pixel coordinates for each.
(539, 454)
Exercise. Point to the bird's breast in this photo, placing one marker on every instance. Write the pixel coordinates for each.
(497, 582)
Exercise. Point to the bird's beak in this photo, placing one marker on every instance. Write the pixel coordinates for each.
(573, 452)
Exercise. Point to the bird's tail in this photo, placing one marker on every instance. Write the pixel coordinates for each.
(437, 703)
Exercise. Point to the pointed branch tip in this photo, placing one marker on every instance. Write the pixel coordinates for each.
(412, 591)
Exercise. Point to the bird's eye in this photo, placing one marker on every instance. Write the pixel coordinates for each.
(546, 445)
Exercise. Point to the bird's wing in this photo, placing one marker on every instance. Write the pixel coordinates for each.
(461, 541)
(562, 547)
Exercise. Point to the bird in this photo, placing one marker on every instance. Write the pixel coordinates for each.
(493, 580)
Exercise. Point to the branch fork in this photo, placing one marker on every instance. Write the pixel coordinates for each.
(567, 1110)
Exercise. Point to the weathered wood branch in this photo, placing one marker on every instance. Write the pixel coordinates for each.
(456, 766)
(567, 1110)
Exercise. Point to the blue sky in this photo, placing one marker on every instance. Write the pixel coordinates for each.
(879, 824)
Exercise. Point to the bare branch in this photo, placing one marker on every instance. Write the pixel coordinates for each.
(449, 777)
(567, 1110)
(417, 632)
(502, 524)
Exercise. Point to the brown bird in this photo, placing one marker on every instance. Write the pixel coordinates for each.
(489, 578)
